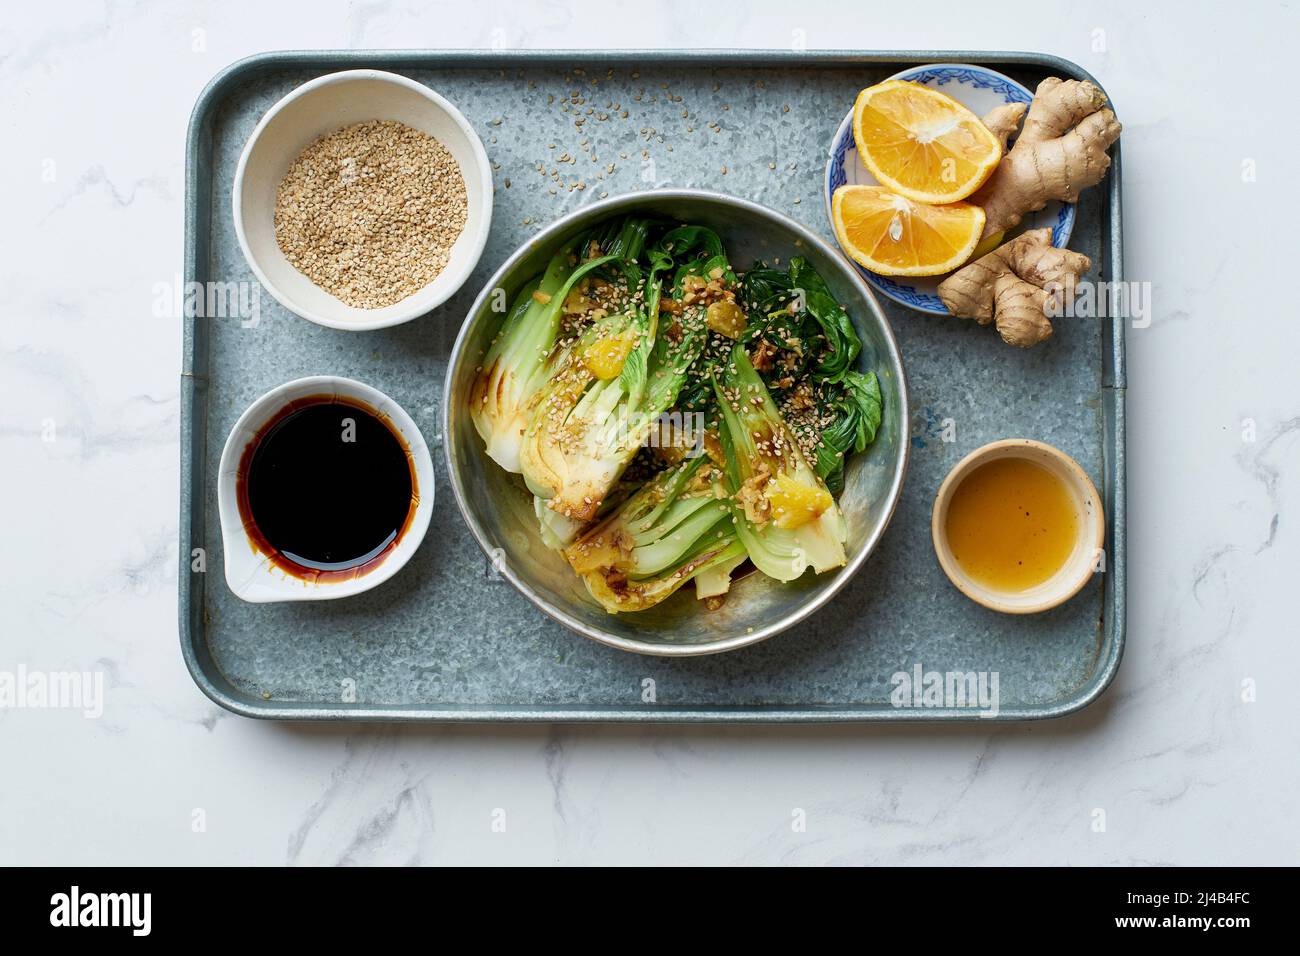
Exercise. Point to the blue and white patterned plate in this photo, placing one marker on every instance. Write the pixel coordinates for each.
(980, 90)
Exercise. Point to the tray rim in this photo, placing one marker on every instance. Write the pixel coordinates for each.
(194, 374)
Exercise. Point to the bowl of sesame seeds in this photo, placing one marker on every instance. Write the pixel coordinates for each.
(362, 200)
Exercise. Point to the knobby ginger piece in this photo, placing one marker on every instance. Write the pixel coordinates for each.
(1003, 121)
(1006, 286)
(1060, 152)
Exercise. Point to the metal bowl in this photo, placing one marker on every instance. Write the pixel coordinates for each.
(499, 511)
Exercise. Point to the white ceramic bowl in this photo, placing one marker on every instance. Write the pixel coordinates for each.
(1078, 567)
(322, 106)
(980, 90)
(250, 573)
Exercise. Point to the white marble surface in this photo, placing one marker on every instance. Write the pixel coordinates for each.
(94, 100)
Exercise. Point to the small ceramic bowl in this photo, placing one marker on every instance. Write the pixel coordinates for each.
(251, 573)
(1078, 567)
(980, 90)
(322, 106)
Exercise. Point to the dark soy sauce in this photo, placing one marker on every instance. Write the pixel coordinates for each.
(327, 488)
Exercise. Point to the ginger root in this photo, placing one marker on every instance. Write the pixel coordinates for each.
(1007, 286)
(1060, 152)
(1003, 121)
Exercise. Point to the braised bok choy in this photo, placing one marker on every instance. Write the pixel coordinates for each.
(677, 421)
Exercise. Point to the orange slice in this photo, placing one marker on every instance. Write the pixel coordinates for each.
(893, 236)
(923, 143)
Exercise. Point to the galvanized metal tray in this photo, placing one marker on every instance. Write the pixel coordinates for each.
(449, 640)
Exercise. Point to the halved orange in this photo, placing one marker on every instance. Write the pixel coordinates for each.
(923, 143)
(893, 236)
